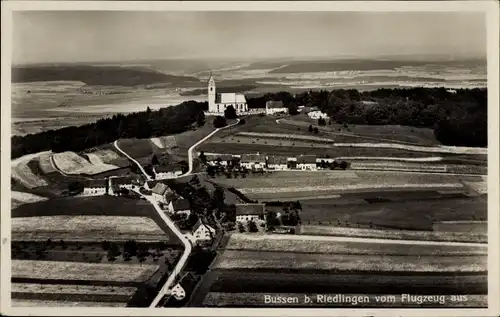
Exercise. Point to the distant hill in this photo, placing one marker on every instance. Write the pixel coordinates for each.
(204, 91)
(98, 75)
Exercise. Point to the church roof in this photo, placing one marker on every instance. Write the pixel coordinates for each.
(232, 98)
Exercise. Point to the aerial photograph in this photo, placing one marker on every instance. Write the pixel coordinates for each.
(272, 159)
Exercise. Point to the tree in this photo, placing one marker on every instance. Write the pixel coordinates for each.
(200, 119)
(75, 188)
(242, 121)
(252, 226)
(316, 131)
(203, 157)
(219, 122)
(321, 122)
(272, 220)
(105, 245)
(292, 108)
(230, 113)
(310, 128)
(343, 165)
(241, 228)
(210, 171)
(154, 160)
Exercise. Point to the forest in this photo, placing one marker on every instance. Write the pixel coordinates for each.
(146, 124)
(458, 118)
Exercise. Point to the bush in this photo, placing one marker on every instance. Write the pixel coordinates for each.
(230, 113)
(242, 121)
(219, 122)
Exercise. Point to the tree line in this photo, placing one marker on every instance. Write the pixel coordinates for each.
(457, 117)
(146, 124)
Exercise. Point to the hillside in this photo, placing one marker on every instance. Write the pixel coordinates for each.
(97, 75)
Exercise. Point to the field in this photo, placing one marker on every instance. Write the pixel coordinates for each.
(85, 218)
(376, 133)
(56, 270)
(57, 303)
(71, 289)
(287, 148)
(277, 281)
(139, 149)
(329, 245)
(72, 163)
(412, 215)
(165, 142)
(107, 156)
(220, 299)
(22, 173)
(92, 224)
(292, 184)
(20, 198)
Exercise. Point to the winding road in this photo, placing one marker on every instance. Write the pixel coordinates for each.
(187, 244)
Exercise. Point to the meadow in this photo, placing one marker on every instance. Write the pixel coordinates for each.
(57, 270)
(310, 245)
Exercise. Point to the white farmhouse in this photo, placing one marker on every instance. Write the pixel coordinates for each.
(180, 206)
(306, 162)
(253, 161)
(317, 115)
(202, 232)
(277, 162)
(217, 103)
(273, 107)
(162, 193)
(249, 212)
(167, 171)
(94, 187)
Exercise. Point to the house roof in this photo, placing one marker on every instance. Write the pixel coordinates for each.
(306, 159)
(181, 204)
(249, 209)
(223, 157)
(188, 283)
(122, 180)
(198, 224)
(253, 158)
(274, 104)
(92, 183)
(160, 188)
(277, 160)
(167, 168)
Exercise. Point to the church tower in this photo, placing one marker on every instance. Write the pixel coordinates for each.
(212, 107)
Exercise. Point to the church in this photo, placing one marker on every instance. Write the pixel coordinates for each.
(217, 103)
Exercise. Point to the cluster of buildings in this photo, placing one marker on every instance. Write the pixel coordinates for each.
(317, 115)
(258, 162)
(167, 171)
(109, 185)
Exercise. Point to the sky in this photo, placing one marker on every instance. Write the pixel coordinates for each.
(92, 36)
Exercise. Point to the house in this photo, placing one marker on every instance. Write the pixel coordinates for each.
(219, 159)
(317, 115)
(180, 206)
(253, 161)
(217, 103)
(291, 162)
(185, 286)
(277, 162)
(162, 193)
(167, 171)
(249, 212)
(273, 107)
(95, 187)
(306, 162)
(127, 182)
(202, 232)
